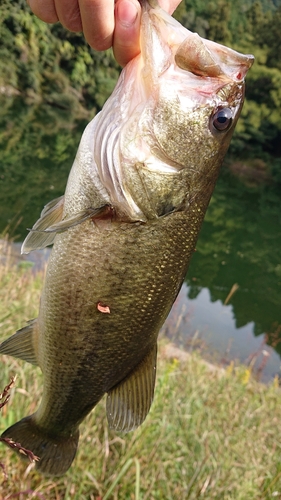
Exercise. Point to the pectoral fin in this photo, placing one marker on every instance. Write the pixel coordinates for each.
(22, 343)
(68, 222)
(37, 237)
(128, 404)
(50, 223)
(53, 207)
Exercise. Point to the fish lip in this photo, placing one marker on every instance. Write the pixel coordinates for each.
(205, 58)
(191, 52)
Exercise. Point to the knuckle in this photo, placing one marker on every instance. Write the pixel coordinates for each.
(72, 21)
(46, 12)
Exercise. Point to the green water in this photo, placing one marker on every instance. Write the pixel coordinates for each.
(240, 242)
(38, 144)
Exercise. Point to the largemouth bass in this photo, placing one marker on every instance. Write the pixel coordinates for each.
(124, 233)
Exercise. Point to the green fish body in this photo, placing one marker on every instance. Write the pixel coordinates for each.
(124, 233)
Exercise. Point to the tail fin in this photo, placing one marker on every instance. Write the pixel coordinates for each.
(56, 454)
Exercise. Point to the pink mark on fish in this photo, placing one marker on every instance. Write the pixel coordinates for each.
(103, 308)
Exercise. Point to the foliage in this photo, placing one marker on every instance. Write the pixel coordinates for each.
(38, 144)
(46, 62)
(4, 398)
(210, 433)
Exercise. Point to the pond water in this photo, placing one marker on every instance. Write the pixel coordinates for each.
(230, 304)
(233, 294)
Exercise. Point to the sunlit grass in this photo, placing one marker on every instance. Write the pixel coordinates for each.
(210, 434)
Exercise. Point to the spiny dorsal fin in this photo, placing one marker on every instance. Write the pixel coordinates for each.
(22, 344)
(128, 404)
(37, 237)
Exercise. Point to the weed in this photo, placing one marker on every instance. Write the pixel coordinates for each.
(211, 433)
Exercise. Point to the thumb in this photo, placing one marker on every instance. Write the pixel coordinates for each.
(126, 33)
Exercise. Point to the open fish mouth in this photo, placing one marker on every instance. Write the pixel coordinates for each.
(210, 59)
(191, 52)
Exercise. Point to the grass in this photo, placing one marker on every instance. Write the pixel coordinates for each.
(211, 434)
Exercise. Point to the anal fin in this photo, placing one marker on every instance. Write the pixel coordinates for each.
(22, 344)
(128, 403)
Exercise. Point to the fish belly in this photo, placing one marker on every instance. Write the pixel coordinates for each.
(107, 293)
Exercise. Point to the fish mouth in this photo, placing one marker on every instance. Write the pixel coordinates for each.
(199, 56)
(209, 59)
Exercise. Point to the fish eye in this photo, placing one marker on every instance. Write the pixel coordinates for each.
(222, 119)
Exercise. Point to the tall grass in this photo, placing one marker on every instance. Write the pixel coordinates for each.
(210, 434)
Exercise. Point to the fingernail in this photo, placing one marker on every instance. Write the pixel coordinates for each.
(127, 13)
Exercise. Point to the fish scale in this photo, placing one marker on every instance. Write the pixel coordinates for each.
(124, 233)
(135, 311)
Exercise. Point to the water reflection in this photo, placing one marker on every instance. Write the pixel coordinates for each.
(38, 144)
(240, 241)
(210, 326)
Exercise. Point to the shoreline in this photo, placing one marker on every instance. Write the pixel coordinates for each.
(37, 262)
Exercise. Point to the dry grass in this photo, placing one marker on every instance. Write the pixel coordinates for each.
(210, 434)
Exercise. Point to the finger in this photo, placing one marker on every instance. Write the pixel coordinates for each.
(98, 22)
(44, 9)
(126, 33)
(68, 12)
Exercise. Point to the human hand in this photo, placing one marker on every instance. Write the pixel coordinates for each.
(103, 22)
(127, 27)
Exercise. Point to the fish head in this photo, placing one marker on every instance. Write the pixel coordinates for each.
(162, 136)
(196, 89)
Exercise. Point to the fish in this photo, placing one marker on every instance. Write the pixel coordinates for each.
(123, 234)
